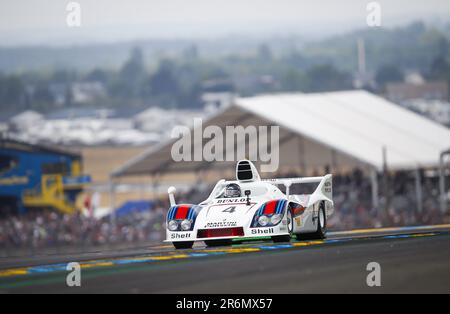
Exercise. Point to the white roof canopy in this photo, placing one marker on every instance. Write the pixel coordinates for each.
(354, 124)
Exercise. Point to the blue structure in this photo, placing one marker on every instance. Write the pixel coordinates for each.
(35, 176)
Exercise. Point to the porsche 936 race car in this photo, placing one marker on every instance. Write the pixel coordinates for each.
(250, 207)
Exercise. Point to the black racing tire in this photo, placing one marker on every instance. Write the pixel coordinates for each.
(287, 237)
(321, 232)
(216, 243)
(183, 245)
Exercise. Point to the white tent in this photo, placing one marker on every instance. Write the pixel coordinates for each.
(337, 129)
(358, 124)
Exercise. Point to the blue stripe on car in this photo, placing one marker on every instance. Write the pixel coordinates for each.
(278, 206)
(174, 211)
(188, 217)
(194, 212)
(281, 206)
(261, 209)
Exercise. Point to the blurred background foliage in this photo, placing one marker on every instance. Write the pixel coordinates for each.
(175, 73)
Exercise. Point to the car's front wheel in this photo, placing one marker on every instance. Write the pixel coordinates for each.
(183, 245)
(290, 225)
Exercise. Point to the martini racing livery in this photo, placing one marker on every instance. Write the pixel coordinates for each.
(251, 207)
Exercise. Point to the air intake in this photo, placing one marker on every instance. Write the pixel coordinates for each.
(246, 171)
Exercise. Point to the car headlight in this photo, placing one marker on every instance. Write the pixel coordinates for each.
(263, 221)
(275, 220)
(173, 225)
(186, 225)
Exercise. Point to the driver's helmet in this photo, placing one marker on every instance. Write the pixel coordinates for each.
(232, 190)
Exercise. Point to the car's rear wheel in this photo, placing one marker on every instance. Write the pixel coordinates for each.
(183, 245)
(290, 224)
(215, 243)
(321, 232)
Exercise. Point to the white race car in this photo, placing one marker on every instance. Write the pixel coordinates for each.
(250, 207)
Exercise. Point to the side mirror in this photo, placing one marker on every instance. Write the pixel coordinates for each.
(171, 191)
(247, 193)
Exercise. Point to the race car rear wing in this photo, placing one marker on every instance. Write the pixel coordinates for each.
(291, 181)
(323, 191)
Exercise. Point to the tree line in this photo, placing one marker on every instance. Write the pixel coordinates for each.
(179, 81)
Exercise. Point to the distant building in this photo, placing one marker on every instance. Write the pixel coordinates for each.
(4, 125)
(363, 81)
(399, 92)
(217, 85)
(25, 119)
(218, 100)
(256, 83)
(59, 92)
(98, 127)
(436, 110)
(161, 121)
(414, 78)
(87, 92)
(79, 113)
(38, 177)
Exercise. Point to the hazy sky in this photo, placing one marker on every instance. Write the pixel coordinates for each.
(44, 21)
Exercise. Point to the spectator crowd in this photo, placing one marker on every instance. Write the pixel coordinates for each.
(44, 229)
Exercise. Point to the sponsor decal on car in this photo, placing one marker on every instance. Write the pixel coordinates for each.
(231, 201)
(262, 231)
(221, 224)
(180, 235)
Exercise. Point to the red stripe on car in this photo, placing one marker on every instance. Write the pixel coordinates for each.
(182, 212)
(270, 207)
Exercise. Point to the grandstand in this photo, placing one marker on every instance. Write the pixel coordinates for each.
(38, 177)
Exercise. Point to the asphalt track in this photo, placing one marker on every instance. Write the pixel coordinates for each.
(412, 260)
